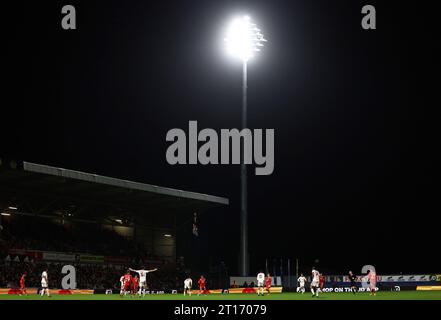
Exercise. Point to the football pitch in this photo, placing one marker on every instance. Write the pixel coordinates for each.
(403, 295)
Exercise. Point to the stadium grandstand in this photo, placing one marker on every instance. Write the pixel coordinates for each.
(51, 217)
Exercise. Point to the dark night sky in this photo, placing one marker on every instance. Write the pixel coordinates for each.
(356, 137)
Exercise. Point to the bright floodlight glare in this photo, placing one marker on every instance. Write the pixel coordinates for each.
(243, 38)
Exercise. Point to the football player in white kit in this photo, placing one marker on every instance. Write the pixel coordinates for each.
(188, 283)
(260, 283)
(315, 283)
(44, 284)
(121, 281)
(142, 279)
(301, 280)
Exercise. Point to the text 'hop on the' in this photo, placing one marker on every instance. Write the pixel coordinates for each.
(243, 38)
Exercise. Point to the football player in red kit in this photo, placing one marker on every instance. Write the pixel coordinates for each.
(269, 280)
(202, 285)
(127, 282)
(135, 286)
(22, 284)
(322, 282)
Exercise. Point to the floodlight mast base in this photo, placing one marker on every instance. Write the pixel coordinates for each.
(244, 263)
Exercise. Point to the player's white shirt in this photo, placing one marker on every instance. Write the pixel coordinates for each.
(188, 283)
(302, 281)
(142, 275)
(260, 278)
(315, 277)
(44, 279)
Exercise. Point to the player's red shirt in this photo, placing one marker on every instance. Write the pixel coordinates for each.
(322, 282)
(135, 281)
(268, 282)
(22, 281)
(201, 283)
(372, 276)
(127, 280)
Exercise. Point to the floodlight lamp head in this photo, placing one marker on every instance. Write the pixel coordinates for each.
(243, 38)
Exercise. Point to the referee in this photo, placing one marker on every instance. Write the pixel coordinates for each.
(353, 280)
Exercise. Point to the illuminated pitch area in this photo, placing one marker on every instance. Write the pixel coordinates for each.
(403, 295)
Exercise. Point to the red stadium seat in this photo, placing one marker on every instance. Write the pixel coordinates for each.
(64, 292)
(14, 291)
(249, 290)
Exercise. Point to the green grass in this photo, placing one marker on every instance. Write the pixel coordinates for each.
(403, 295)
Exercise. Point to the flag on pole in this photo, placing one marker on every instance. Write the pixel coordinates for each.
(266, 265)
(195, 225)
